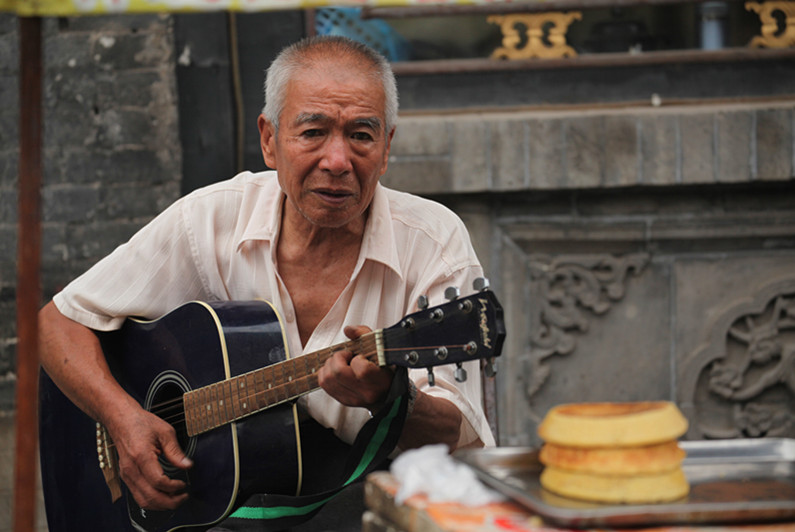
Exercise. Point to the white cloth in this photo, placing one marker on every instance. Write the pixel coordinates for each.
(218, 243)
(432, 471)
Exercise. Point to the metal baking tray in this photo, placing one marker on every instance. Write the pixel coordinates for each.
(731, 481)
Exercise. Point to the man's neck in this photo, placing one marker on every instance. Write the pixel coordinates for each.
(300, 239)
(315, 265)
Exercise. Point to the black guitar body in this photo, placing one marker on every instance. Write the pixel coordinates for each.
(157, 362)
(69, 468)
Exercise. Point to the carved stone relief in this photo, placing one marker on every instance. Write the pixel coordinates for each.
(569, 290)
(741, 382)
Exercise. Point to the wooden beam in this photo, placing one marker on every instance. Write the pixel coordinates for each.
(499, 8)
(600, 60)
(28, 291)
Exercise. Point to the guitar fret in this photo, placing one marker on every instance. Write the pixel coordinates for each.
(308, 372)
(282, 392)
(208, 408)
(201, 411)
(274, 383)
(234, 392)
(261, 395)
(243, 399)
(229, 412)
(220, 403)
(198, 415)
(187, 407)
(289, 385)
(212, 405)
(252, 392)
(311, 382)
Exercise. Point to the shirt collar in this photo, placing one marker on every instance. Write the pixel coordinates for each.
(261, 208)
(379, 243)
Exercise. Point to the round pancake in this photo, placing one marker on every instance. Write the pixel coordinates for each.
(616, 489)
(645, 459)
(612, 424)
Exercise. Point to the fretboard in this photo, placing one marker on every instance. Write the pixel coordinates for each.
(237, 397)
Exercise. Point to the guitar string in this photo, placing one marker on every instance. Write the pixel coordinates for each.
(387, 334)
(179, 417)
(173, 412)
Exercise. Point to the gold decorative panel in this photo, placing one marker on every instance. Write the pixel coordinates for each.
(773, 35)
(534, 35)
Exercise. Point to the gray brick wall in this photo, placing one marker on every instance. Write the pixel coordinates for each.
(111, 148)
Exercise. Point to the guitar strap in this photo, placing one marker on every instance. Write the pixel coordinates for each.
(373, 445)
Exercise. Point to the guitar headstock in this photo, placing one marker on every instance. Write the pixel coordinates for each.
(463, 329)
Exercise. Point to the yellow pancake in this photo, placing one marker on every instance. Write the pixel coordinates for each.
(644, 459)
(612, 424)
(616, 489)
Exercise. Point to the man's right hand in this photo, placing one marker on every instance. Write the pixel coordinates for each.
(141, 438)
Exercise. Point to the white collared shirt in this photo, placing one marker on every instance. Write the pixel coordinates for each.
(218, 243)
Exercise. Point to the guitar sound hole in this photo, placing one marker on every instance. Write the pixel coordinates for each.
(165, 401)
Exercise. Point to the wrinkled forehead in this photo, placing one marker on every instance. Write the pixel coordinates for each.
(336, 83)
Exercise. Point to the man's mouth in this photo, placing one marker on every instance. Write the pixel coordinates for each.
(333, 196)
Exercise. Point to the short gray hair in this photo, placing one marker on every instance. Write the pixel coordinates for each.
(305, 53)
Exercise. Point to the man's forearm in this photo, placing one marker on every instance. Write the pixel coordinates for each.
(73, 358)
(432, 420)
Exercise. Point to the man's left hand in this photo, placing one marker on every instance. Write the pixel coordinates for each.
(354, 380)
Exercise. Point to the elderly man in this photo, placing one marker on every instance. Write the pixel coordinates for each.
(318, 236)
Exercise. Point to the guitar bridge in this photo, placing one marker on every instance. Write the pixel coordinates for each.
(108, 462)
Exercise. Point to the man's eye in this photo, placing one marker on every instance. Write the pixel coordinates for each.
(361, 135)
(310, 133)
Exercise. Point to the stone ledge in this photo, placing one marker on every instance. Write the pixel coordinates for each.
(591, 149)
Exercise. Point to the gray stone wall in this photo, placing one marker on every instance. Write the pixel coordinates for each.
(111, 148)
(591, 149)
(640, 254)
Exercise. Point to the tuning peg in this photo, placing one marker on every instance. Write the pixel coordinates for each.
(422, 302)
(490, 369)
(451, 293)
(460, 373)
(480, 284)
(440, 353)
(431, 377)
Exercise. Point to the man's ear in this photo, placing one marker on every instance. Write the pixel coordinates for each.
(267, 141)
(386, 151)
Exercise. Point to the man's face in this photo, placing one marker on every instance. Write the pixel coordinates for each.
(331, 148)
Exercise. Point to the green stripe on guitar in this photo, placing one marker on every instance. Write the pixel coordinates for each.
(277, 512)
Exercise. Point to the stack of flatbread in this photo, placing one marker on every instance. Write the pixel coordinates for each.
(619, 453)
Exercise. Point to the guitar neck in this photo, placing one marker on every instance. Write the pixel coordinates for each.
(232, 399)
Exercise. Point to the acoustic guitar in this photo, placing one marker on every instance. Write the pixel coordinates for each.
(220, 374)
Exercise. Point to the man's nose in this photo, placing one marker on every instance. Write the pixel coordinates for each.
(336, 155)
